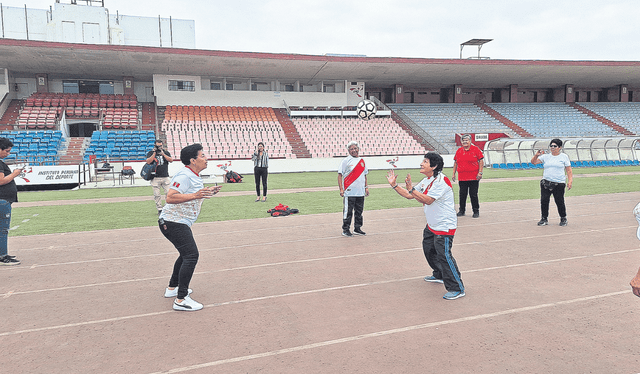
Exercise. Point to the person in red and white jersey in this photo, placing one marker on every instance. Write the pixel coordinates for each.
(352, 181)
(184, 200)
(436, 195)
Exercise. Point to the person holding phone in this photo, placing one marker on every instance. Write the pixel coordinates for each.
(8, 196)
(553, 180)
(260, 160)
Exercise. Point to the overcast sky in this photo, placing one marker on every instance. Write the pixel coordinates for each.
(527, 29)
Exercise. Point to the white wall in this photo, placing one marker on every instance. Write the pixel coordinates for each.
(219, 167)
(70, 23)
(78, 24)
(204, 96)
(15, 23)
(147, 31)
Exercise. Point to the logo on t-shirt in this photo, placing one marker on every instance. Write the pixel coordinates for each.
(176, 184)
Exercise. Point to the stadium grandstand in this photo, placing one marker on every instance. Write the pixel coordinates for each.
(81, 98)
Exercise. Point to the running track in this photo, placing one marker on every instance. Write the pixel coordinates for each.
(290, 295)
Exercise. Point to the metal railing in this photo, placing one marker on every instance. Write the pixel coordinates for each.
(413, 126)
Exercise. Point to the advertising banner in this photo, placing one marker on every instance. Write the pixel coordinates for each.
(59, 174)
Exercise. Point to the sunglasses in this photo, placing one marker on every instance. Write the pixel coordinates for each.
(553, 146)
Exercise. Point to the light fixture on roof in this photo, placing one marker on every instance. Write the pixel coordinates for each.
(479, 43)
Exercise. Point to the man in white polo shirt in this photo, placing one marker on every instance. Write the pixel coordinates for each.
(436, 194)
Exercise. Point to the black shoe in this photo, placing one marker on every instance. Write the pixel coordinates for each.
(476, 214)
(563, 221)
(460, 214)
(543, 222)
(359, 232)
(8, 261)
(347, 233)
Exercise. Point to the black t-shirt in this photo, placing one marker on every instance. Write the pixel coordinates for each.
(9, 191)
(162, 170)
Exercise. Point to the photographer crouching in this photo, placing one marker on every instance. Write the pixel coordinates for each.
(160, 179)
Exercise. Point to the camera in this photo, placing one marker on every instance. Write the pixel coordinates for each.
(158, 149)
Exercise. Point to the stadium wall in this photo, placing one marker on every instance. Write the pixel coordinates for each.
(430, 95)
(274, 99)
(217, 168)
(4, 85)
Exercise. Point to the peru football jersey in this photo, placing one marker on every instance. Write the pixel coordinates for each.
(185, 182)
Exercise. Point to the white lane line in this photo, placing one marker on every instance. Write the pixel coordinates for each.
(173, 253)
(288, 229)
(317, 260)
(270, 297)
(390, 332)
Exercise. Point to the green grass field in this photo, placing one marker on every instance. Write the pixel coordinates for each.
(108, 216)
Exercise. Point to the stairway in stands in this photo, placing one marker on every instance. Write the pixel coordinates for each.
(73, 154)
(601, 119)
(504, 120)
(149, 116)
(10, 116)
(298, 146)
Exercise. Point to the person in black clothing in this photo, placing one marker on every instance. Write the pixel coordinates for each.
(260, 160)
(8, 195)
(161, 177)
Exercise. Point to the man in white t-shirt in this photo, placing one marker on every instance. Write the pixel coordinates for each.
(352, 181)
(184, 200)
(436, 195)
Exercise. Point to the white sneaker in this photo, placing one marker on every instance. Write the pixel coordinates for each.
(187, 305)
(174, 292)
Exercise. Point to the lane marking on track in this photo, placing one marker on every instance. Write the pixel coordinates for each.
(280, 242)
(270, 297)
(315, 226)
(390, 332)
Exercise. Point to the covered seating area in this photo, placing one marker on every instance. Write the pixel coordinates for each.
(508, 153)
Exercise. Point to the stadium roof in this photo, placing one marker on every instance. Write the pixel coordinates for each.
(90, 61)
